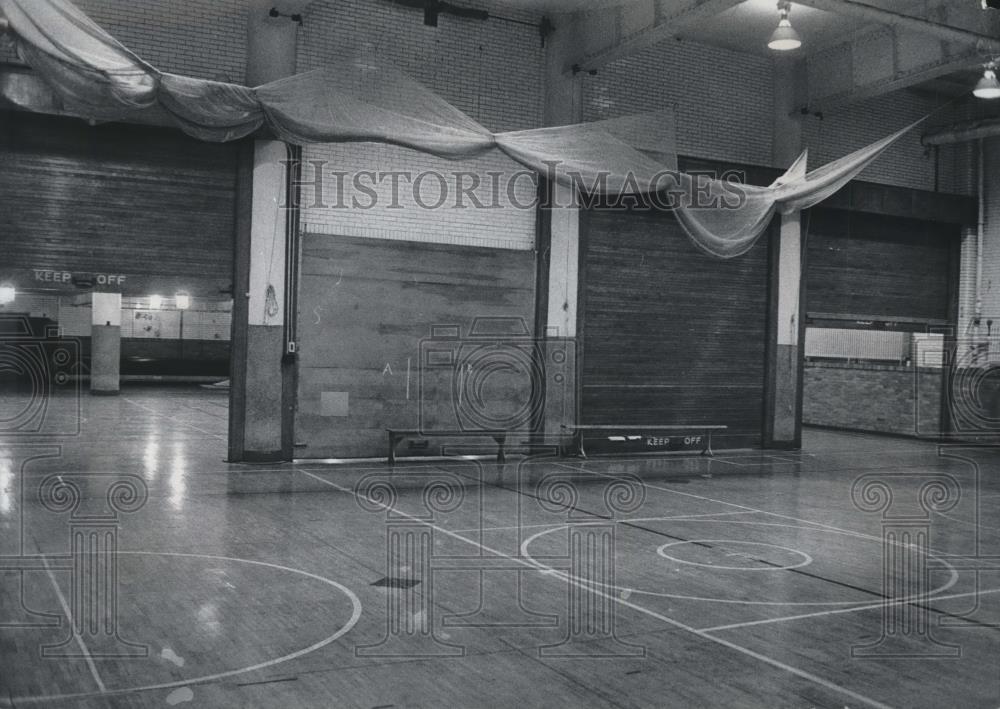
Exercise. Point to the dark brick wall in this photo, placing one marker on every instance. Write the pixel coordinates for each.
(873, 397)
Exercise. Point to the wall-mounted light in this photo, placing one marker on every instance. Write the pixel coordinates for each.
(7, 294)
(988, 87)
(784, 38)
(155, 302)
(183, 301)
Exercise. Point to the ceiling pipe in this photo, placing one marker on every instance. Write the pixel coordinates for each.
(963, 132)
(910, 22)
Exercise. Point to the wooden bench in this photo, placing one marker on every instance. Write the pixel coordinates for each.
(396, 435)
(578, 431)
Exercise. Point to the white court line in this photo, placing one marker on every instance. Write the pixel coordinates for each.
(819, 525)
(547, 570)
(620, 521)
(837, 611)
(206, 679)
(174, 420)
(76, 636)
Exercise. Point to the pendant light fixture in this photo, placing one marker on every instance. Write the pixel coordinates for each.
(784, 38)
(988, 86)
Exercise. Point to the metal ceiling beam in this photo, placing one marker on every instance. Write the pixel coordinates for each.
(821, 44)
(913, 23)
(863, 90)
(663, 26)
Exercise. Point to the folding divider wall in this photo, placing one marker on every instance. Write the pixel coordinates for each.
(669, 334)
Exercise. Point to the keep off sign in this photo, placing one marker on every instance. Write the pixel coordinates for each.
(68, 278)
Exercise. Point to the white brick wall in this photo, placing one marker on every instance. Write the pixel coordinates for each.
(491, 70)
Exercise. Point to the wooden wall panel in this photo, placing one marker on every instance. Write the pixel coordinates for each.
(879, 266)
(146, 202)
(365, 305)
(671, 335)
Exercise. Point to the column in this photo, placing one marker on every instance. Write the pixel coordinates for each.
(105, 343)
(560, 246)
(783, 429)
(263, 361)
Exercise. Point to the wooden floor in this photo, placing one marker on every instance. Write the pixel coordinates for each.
(746, 580)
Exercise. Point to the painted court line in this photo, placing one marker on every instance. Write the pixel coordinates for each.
(547, 570)
(72, 624)
(623, 521)
(173, 420)
(207, 679)
(819, 525)
(838, 611)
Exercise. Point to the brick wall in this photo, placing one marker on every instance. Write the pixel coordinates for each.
(492, 70)
(905, 164)
(990, 286)
(723, 99)
(872, 397)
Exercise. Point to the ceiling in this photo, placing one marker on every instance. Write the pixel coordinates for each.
(838, 36)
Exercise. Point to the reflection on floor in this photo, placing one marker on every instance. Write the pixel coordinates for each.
(141, 570)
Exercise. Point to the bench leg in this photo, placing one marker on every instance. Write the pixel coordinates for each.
(708, 444)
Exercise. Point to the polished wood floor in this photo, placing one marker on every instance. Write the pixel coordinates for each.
(860, 572)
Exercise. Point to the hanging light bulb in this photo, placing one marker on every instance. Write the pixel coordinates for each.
(784, 38)
(988, 86)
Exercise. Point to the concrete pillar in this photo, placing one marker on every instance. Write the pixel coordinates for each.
(786, 422)
(271, 41)
(563, 105)
(266, 306)
(105, 343)
(784, 425)
(262, 382)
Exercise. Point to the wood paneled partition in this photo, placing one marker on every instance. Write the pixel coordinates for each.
(369, 312)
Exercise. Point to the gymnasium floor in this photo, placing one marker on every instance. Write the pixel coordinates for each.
(748, 579)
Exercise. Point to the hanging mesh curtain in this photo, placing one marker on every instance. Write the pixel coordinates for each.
(95, 76)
